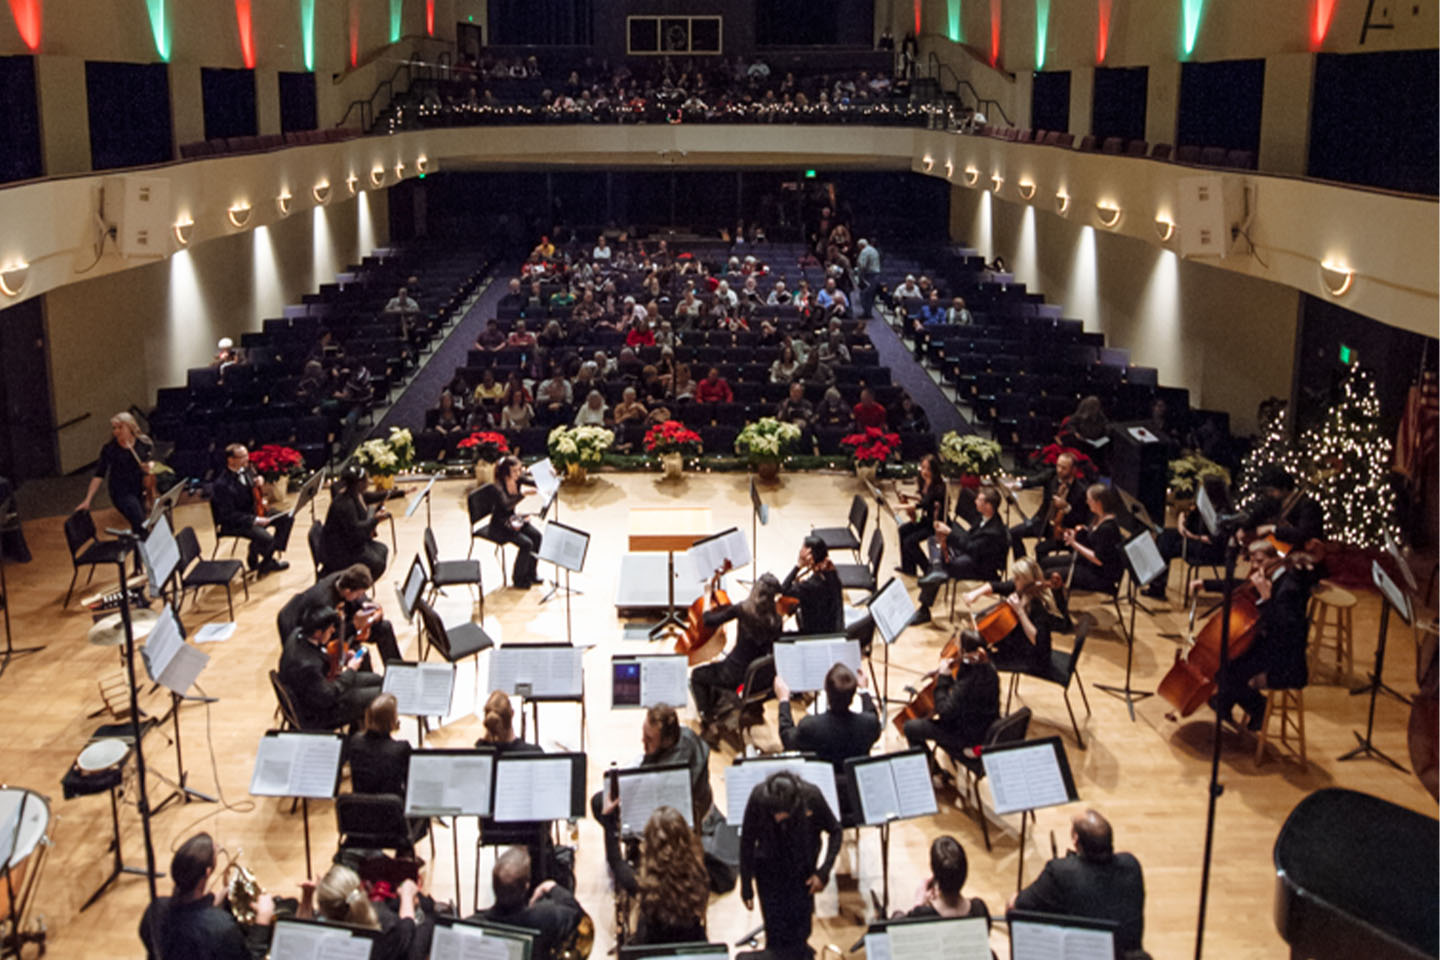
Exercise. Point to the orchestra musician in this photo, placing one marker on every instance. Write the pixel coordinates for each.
(322, 703)
(837, 734)
(974, 554)
(1284, 512)
(713, 684)
(814, 583)
(347, 591)
(350, 524)
(671, 883)
(240, 512)
(190, 923)
(125, 462)
(1062, 503)
(1096, 556)
(506, 526)
(967, 701)
(1189, 539)
(341, 897)
(928, 508)
(1026, 648)
(665, 740)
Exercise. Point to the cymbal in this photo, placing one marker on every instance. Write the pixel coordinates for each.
(110, 632)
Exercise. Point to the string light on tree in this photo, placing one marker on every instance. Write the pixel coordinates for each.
(1272, 447)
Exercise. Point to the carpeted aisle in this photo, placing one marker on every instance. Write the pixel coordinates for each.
(906, 372)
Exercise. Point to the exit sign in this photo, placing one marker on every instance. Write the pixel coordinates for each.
(1347, 355)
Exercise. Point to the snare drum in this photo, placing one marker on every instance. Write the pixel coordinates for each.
(102, 755)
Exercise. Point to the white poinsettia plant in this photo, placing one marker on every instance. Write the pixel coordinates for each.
(585, 446)
(766, 439)
(970, 454)
(387, 456)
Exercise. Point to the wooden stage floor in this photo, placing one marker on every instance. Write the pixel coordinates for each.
(1149, 777)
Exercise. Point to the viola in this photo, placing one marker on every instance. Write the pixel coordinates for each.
(698, 641)
(342, 649)
(786, 605)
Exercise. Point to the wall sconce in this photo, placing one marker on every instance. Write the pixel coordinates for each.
(929, 162)
(321, 191)
(1026, 188)
(1108, 213)
(377, 176)
(282, 203)
(184, 230)
(353, 182)
(399, 169)
(972, 176)
(996, 182)
(239, 213)
(1164, 228)
(1062, 202)
(1336, 276)
(13, 277)
(422, 162)
(949, 169)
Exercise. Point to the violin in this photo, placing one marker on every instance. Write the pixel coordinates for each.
(786, 605)
(341, 649)
(1190, 682)
(698, 641)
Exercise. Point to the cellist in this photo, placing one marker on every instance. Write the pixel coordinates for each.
(967, 701)
(714, 683)
(1026, 648)
(815, 585)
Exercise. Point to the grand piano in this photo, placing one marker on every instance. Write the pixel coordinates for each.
(1357, 878)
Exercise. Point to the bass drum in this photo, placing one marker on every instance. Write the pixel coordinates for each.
(24, 819)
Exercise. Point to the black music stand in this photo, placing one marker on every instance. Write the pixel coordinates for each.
(759, 517)
(1025, 777)
(1391, 597)
(1140, 557)
(182, 793)
(10, 523)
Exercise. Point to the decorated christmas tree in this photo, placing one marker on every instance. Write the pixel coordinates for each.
(1348, 456)
(1272, 446)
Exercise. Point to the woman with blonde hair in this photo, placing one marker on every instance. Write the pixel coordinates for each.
(126, 462)
(1026, 648)
(671, 884)
(341, 897)
(498, 719)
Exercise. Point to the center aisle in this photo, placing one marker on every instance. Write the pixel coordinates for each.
(906, 371)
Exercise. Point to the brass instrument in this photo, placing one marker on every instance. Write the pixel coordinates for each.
(579, 941)
(242, 890)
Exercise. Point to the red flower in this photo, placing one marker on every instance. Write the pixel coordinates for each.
(672, 437)
(488, 445)
(872, 446)
(273, 460)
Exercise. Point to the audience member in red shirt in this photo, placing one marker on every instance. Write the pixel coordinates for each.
(867, 412)
(714, 389)
(640, 335)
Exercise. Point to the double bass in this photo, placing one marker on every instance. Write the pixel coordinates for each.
(699, 642)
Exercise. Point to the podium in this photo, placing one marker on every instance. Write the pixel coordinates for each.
(666, 530)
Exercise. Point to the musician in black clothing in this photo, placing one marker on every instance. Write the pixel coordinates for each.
(967, 701)
(671, 883)
(785, 818)
(189, 923)
(125, 462)
(549, 909)
(974, 554)
(379, 763)
(1063, 500)
(713, 684)
(930, 507)
(1093, 882)
(1096, 552)
(1292, 517)
(837, 734)
(940, 895)
(346, 591)
(1189, 539)
(320, 702)
(233, 499)
(350, 523)
(506, 526)
(664, 741)
(1026, 648)
(815, 584)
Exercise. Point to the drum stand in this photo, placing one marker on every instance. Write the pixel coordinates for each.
(8, 516)
(118, 866)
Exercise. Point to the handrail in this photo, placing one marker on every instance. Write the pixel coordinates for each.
(367, 105)
(937, 70)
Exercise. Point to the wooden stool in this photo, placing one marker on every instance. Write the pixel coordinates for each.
(1325, 597)
(1288, 706)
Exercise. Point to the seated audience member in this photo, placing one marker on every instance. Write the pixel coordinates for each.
(1093, 881)
(868, 413)
(795, 408)
(958, 314)
(189, 923)
(785, 367)
(346, 590)
(671, 884)
(682, 387)
(665, 740)
(833, 350)
(593, 413)
(341, 897)
(322, 703)
(402, 302)
(514, 297)
(940, 895)
(350, 523)
(379, 763)
(628, 364)
(779, 296)
(832, 411)
(975, 554)
(517, 414)
(549, 909)
(639, 334)
(488, 390)
(815, 373)
(967, 701)
(714, 389)
(785, 819)
(492, 338)
(601, 251)
(932, 312)
(630, 409)
(520, 338)
(909, 291)
(912, 417)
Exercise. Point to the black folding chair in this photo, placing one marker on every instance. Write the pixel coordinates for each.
(848, 536)
(864, 576)
(1007, 729)
(451, 573)
(196, 572)
(454, 643)
(86, 550)
(1062, 667)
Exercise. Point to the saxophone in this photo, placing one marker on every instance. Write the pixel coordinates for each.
(242, 890)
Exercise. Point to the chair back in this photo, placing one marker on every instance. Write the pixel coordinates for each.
(189, 546)
(749, 692)
(434, 627)
(859, 515)
(1083, 623)
(283, 701)
(862, 630)
(79, 530)
(432, 552)
(316, 539)
(372, 821)
(875, 554)
(479, 504)
(1008, 729)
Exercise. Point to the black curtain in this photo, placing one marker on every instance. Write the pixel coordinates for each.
(20, 146)
(540, 22)
(1119, 107)
(229, 97)
(1373, 119)
(1050, 101)
(1220, 104)
(129, 107)
(297, 101)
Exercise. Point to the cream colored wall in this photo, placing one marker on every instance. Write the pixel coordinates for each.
(115, 340)
(1228, 339)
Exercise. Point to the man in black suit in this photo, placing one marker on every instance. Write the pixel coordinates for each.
(322, 703)
(233, 500)
(1093, 882)
(1294, 518)
(822, 604)
(975, 554)
(967, 701)
(837, 734)
(550, 909)
(345, 590)
(191, 924)
(1064, 496)
(665, 741)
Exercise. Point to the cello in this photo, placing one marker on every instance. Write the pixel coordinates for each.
(699, 642)
(922, 702)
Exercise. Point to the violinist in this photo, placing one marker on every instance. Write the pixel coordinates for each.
(1284, 512)
(967, 700)
(929, 507)
(506, 526)
(1095, 557)
(1062, 506)
(814, 583)
(713, 684)
(974, 554)
(1026, 648)
(345, 591)
(1189, 539)
(322, 703)
(240, 512)
(349, 531)
(126, 462)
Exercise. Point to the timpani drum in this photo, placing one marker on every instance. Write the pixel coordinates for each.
(25, 818)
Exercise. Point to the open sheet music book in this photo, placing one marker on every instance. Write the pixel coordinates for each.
(1028, 775)
(709, 555)
(803, 663)
(643, 789)
(646, 680)
(449, 783)
(892, 609)
(160, 553)
(1038, 936)
(1391, 590)
(539, 786)
(172, 662)
(1144, 556)
(297, 765)
(311, 940)
(456, 939)
(547, 481)
(564, 546)
(547, 671)
(746, 774)
(420, 689)
(894, 786)
(954, 938)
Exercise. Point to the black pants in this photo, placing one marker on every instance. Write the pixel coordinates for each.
(360, 688)
(914, 555)
(962, 567)
(376, 557)
(1234, 684)
(920, 729)
(787, 907)
(715, 683)
(1030, 528)
(382, 635)
(268, 540)
(1171, 545)
(132, 508)
(527, 541)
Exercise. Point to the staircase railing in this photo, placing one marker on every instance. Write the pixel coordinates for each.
(937, 69)
(413, 68)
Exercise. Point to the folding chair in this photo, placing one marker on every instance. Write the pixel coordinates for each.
(1007, 729)
(450, 573)
(196, 573)
(848, 536)
(454, 643)
(1061, 668)
(87, 550)
(864, 576)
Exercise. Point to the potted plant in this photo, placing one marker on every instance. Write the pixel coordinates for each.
(672, 442)
(1084, 466)
(1187, 472)
(488, 448)
(275, 463)
(384, 457)
(870, 449)
(579, 449)
(765, 443)
(971, 456)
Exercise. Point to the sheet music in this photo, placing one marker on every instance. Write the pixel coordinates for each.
(547, 481)
(161, 554)
(898, 787)
(532, 789)
(710, 554)
(461, 942)
(554, 672)
(955, 939)
(642, 792)
(449, 784)
(1401, 564)
(416, 501)
(741, 779)
(1025, 778)
(1144, 556)
(172, 662)
(1043, 941)
(563, 546)
(420, 689)
(877, 946)
(308, 941)
(215, 632)
(1391, 589)
(665, 680)
(761, 507)
(803, 664)
(410, 592)
(892, 610)
(296, 765)
(1207, 509)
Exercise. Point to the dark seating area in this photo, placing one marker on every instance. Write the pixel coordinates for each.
(255, 144)
(1199, 156)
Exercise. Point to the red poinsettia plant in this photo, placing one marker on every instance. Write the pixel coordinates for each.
(873, 446)
(274, 461)
(1048, 454)
(672, 436)
(488, 445)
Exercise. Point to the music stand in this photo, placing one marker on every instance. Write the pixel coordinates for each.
(892, 610)
(454, 784)
(308, 490)
(10, 522)
(1025, 777)
(645, 680)
(759, 517)
(554, 673)
(1144, 565)
(164, 506)
(566, 548)
(1391, 597)
(421, 690)
(425, 496)
(174, 665)
(888, 788)
(298, 764)
(927, 938)
(1035, 934)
